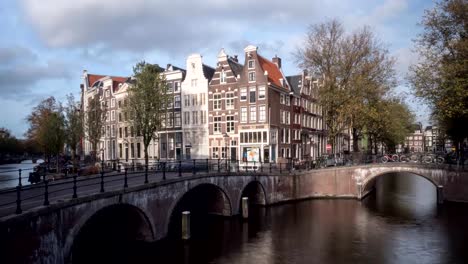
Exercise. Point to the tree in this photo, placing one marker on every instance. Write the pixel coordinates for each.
(9, 144)
(441, 76)
(94, 121)
(355, 69)
(147, 97)
(47, 127)
(73, 125)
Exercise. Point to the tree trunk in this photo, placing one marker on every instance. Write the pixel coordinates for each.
(146, 155)
(355, 140)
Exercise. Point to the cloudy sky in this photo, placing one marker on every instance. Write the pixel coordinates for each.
(45, 45)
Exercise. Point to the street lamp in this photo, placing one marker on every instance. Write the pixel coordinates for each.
(226, 141)
(102, 158)
(126, 149)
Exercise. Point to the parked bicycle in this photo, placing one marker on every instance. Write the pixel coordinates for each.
(393, 158)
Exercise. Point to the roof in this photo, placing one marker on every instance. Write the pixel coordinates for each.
(208, 72)
(274, 74)
(92, 78)
(295, 81)
(236, 67)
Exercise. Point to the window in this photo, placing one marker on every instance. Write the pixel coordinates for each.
(131, 131)
(217, 102)
(282, 117)
(281, 98)
(217, 124)
(215, 153)
(252, 95)
(251, 64)
(286, 99)
(243, 94)
(288, 121)
(230, 124)
(176, 87)
(138, 151)
(177, 101)
(186, 118)
(243, 114)
(177, 121)
(253, 113)
(186, 100)
(194, 82)
(113, 131)
(202, 99)
(108, 131)
(113, 115)
(262, 113)
(194, 99)
(120, 150)
(132, 150)
(223, 76)
(112, 102)
(120, 117)
(203, 117)
(170, 120)
(261, 93)
(194, 117)
(170, 102)
(170, 87)
(120, 104)
(120, 132)
(230, 100)
(126, 131)
(251, 76)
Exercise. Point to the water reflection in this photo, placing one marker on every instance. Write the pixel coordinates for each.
(399, 223)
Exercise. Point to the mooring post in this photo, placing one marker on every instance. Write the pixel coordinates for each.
(19, 178)
(186, 225)
(245, 207)
(440, 194)
(75, 195)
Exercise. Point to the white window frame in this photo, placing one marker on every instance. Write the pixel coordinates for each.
(251, 64)
(230, 127)
(217, 101)
(261, 113)
(253, 114)
(229, 100)
(243, 115)
(217, 125)
(261, 93)
(252, 76)
(222, 77)
(243, 94)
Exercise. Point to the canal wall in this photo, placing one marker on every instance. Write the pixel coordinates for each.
(47, 234)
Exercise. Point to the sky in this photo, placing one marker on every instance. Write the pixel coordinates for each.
(45, 45)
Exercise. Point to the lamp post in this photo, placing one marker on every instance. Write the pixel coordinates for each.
(226, 143)
(125, 141)
(102, 158)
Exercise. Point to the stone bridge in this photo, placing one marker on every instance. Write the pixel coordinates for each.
(59, 232)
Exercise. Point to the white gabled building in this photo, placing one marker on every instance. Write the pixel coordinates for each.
(195, 108)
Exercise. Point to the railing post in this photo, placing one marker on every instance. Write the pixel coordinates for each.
(207, 166)
(19, 178)
(146, 173)
(270, 166)
(102, 180)
(164, 170)
(219, 169)
(261, 167)
(75, 195)
(46, 193)
(247, 164)
(226, 161)
(280, 167)
(125, 178)
(255, 167)
(291, 164)
(193, 168)
(238, 166)
(180, 168)
(18, 200)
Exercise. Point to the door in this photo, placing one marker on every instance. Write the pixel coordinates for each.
(233, 153)
(178, 153)
(266, 155)
(187, 153)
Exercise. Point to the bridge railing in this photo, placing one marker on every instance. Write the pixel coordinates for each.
(125, 175)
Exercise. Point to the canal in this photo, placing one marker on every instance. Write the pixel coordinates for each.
(9, 173)
(399, 223)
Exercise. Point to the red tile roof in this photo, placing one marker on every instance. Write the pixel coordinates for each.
(92, 78)
(274, 74)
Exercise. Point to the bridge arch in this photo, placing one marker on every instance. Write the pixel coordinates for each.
(256, 193)
(200, 199)
(115, 223)
(369, 182)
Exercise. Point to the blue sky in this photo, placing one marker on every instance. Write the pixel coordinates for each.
(45, 45)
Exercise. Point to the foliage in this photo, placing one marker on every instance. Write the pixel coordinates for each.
(147, 99)
(73, 125)
(47, 126)
(355, 68)
(440, 78)
(9, 144)
(94, 121)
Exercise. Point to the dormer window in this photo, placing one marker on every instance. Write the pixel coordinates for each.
(223, 76)
(251, 76)
(251, 64)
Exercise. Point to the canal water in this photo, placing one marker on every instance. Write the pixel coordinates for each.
(399, 223)
(9, 173)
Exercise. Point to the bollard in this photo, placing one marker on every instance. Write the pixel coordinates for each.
(164, 170)
(18, 200)
(180, 168)
(186, 225)
(102, 181)
(146, 173)
(75, 195)
(280, 168)
(193, 169)
(19, 178)
(440, 194)
(46, 193)
(125, 178)
(245, 207)
(207, 166)
(219, 169)
(238, 167)
(270, 167)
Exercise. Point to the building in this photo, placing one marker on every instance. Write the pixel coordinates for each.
(223, 108)
(415, 141)
(170, 139)
(104, 87)
(195, 108)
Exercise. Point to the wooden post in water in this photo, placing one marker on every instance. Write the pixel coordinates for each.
(440, 194)
(186, 225)
(245, 207)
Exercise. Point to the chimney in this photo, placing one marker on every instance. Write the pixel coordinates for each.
(168, 66)
(235, 58)
(277, 61)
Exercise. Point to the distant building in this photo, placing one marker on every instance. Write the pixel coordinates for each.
(415, 141)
